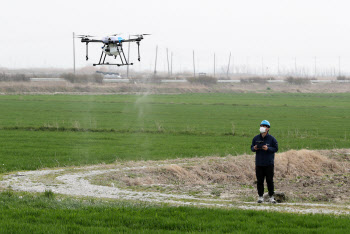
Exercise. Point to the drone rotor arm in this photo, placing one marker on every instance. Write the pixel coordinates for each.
(131, 40)
(90, 40)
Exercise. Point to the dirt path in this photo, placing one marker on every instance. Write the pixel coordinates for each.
(161, 182)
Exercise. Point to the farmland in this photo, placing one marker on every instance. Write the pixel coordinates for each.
(61, 130)
(41, 131)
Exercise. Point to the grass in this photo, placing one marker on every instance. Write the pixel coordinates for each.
(38, 131)
(57, 130)
(23, 213)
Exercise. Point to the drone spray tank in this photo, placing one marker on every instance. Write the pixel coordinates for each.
(111, 50)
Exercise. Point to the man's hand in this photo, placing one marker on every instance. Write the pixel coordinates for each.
(265, 147)
(255, 147)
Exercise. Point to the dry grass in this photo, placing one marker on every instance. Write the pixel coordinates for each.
(166, 88)
(231, 169)
(241, 169)
(203, 80)
(305, 163)
(302, 175)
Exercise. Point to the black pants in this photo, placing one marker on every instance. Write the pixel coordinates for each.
(261, 173)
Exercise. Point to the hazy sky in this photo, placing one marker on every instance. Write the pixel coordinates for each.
(38, 33)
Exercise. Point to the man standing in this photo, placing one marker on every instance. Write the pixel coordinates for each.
(265, 147)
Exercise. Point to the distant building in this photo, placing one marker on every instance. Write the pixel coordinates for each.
(110, 75)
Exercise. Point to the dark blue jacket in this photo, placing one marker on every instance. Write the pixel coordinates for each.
(262, 157)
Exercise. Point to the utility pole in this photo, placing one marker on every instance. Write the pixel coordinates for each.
(247, 65)
(339, 73)
(167, 58)
(278, 66)
(194, 66)
(262, 66)
(233, 64)
(74, 52)
(214, 65)
(295, 65)
(155, 64)
(228, 66)
(171, 67)
(315, 67)
(127, 67)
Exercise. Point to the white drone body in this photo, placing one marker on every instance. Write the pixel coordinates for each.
(112, 47)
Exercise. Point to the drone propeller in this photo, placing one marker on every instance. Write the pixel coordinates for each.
(144, 34)
(83, 36)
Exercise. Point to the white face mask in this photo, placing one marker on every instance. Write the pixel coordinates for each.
(262, 129)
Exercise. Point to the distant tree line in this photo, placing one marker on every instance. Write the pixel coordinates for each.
(73, 78)
(83, 78)
(13, 77)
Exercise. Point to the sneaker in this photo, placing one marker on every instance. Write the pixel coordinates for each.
(261, 199)
(272, 200)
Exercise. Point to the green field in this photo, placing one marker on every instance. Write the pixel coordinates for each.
(58, 130)
(39, 131)
(40, 214)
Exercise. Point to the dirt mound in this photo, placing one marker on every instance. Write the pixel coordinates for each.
(209, 170)
(241, 169)
(302, 175)
(305, 163)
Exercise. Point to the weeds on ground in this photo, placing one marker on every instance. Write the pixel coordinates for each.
(49, 194)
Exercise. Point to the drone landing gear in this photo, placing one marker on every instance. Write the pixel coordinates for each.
(116, 64)
(122, 56)
(138, 50)
(87, 51)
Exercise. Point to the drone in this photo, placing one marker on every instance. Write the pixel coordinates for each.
(112, 46)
